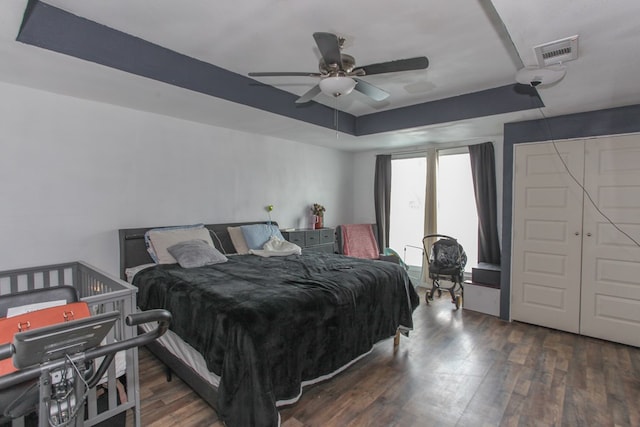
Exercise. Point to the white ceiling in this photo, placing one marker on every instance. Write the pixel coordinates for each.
(470, 48)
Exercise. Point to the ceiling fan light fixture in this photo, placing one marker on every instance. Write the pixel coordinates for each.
(338, 85)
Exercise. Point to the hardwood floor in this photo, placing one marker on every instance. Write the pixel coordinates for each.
(458, 368)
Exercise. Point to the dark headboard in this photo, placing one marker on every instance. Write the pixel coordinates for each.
(133, 251)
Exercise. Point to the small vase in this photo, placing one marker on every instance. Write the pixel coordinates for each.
(318, 223)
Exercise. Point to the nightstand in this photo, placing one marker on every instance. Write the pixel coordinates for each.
(312, 240)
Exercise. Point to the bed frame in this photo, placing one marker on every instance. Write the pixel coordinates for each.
(133, 252)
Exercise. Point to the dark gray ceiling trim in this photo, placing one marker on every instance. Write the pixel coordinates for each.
(504, 99)
(580, 125)
(54, 29)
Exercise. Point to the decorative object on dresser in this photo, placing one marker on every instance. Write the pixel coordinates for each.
(318, 215)
(318, 240)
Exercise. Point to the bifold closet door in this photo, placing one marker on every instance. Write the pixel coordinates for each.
(611, 261)
(547, 234)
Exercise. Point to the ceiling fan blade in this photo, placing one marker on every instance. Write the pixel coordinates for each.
(284, 73)
(329, 48)
(309, 95)
(418, 63)
(370, 90)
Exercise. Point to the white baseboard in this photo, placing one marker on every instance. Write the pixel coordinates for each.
(483, 299)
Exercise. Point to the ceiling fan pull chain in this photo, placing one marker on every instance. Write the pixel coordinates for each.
(335, 112)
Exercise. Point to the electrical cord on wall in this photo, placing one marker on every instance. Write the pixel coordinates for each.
(584, 190)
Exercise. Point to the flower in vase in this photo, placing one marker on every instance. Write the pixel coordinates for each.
(318, 210)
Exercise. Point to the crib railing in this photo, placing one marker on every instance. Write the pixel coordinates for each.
(103, 293)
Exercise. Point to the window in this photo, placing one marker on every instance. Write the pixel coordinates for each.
(457, 215)
(408, 184)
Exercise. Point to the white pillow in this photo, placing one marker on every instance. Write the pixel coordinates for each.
(162, 238)
(237, 238)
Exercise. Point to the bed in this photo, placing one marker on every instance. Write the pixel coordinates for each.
(250, 332)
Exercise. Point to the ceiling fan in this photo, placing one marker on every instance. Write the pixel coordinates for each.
(339, 74)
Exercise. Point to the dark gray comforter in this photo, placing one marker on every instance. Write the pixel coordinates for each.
(264, 325)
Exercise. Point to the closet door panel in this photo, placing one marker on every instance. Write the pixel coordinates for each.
(611, 261)
(547, 224)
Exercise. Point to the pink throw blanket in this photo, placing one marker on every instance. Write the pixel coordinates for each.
(358, 241)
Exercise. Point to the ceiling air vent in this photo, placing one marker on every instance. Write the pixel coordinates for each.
(557, 51)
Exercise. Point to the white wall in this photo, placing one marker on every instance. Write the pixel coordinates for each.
(364, 170)
(72, 172)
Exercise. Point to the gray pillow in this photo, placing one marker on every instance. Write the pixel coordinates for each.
(195, 253)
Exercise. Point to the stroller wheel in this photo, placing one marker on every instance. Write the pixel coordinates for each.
(458, 301)
(439, 293)
(428, 297)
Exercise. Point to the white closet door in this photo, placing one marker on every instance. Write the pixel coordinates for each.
(547, 233)
(611, 262)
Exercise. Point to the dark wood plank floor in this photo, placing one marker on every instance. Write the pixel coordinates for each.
(458, 368)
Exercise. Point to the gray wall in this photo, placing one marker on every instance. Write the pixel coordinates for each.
(72, 172)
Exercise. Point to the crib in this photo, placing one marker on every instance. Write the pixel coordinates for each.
(103, 294)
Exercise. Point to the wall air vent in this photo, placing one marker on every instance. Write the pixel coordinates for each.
(558, 51)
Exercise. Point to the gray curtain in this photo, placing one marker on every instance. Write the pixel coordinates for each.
(382, 198)
(483, 170)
